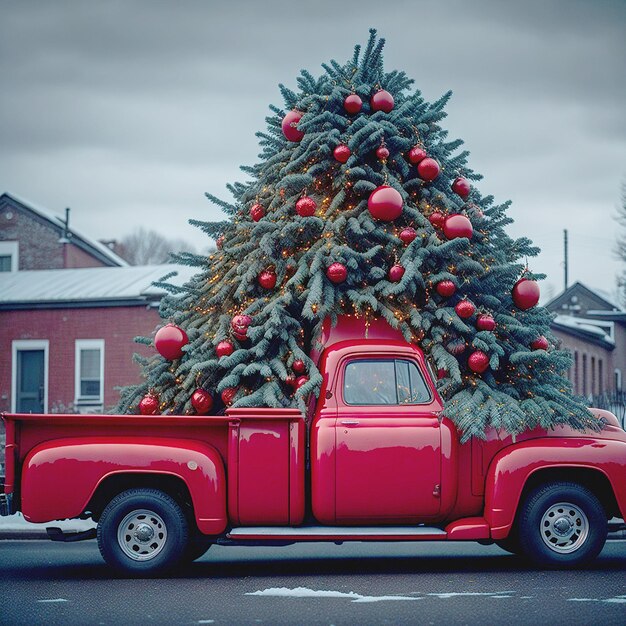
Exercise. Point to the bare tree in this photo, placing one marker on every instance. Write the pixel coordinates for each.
(147, 247)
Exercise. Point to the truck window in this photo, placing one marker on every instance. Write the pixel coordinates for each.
(384, 381)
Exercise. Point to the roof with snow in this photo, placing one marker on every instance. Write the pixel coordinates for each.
(582, 328)
(85, 287)
(93, 247)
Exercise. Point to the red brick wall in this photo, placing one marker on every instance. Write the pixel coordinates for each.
(39, 247)
(593, 355)
(116, 325)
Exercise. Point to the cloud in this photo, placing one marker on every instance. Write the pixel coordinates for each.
(129, 110)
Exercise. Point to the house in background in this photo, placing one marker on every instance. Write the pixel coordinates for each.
(32, 238)
(69, 311)
(593, 328)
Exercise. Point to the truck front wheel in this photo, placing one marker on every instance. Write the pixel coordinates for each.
(562, 524)
(142, 531)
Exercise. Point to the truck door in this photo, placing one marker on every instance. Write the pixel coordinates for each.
(388, 447)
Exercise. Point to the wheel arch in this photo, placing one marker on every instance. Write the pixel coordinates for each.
(590, 477)
(114, 484)
(515, 472)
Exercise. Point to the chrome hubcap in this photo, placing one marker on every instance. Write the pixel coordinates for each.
(564, 527)
(142, 535)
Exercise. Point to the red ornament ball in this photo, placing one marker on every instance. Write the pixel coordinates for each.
(456, 347)
(485, 322)
(289, 126)
(382, 101)
(149, 405)
(478, 362)
(428, 169)
(267, 279)
(169, 341)
(337, 273)
(396, 273)
(457, 226)
(291, 380)
(407, 235)
(437, 219)
(446, 288)
(441, 373)
(465, 309)
(526, 293)
(298, 366)
(239, 325)
(257, 212)
(417, 154)
(382, 153)
(461, 187)
(219, 242)
(202, 401)
(228, 395)
(541, 343)
(385, 203)
(224, 348)
(301, 380)
(352, 104)
(306, 206)
(341, 153)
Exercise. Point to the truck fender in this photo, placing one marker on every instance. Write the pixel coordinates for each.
(60, 477)
(512, 467)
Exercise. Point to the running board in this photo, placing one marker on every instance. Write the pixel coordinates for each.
(336, 533)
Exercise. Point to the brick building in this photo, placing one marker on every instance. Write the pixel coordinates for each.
(66, 336)
(69, 310)
(594, 329)
(31, 238)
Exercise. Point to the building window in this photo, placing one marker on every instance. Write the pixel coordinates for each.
(584, 382)
(9, 254)
(600, 376)
(618, 379)
(575, 381)
(593, 375)
(89, 377)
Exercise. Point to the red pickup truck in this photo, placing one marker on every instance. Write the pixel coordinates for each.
(374, 460)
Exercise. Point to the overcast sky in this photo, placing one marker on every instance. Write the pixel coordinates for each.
(128, 111)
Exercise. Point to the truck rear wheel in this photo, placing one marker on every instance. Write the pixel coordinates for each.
(562, 524)
(142, 531)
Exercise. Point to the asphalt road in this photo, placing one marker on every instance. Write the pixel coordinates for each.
(47, 583)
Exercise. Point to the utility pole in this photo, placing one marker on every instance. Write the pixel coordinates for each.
(565, 258)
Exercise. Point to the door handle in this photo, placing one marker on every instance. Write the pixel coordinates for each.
(349, 422)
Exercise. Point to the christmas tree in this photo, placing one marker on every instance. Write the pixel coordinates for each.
(359, 205)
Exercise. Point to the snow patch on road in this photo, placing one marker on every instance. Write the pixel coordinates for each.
(615, 600)
(463, 594)
(48, 600)
(305, 592)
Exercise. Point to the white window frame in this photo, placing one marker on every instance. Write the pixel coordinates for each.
(88, 344)
(12, 249)
(29, 344)
(618, 379)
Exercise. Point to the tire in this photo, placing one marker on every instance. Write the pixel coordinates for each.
(561, 525)
(142, 531)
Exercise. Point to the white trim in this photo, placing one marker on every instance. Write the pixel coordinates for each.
(12, 249)
(24, 345)
(617, 378)
(88, 344)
